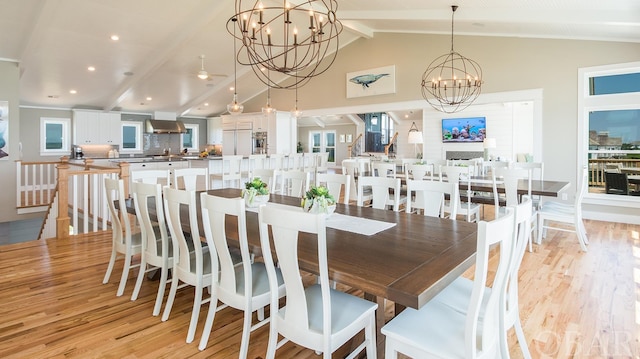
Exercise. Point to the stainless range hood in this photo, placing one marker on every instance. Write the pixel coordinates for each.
(165, 126)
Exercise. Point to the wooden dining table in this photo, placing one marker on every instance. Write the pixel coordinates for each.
(408, 263)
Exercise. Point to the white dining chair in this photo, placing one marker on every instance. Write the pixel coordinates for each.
(470, 210)
(552, 211)
(267, 176)
(157, 249)
(334, 183)
(293, 183)
(277, 161)
(429, 197)
(323, 162)
(457, 294)
(510, 178)
(192, 263)
(150, 176)
(191, 179)
(419, 171)
(317, 317)
(231, 171)
(383, 169)
(438, 331)
(350, 167)
(244, 287)
(123, 241)
(257, 161)
(380, 192)
(537, 174)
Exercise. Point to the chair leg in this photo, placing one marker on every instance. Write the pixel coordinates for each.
(208, 324)
(125, 274)
(143, 268)
(370, 337)
(521, 339)
(161, 288)
(172, 296)
(389, 351)
(540, 229)
(582, 236)
(197, 302)
(112, 261)
(273, 337)
(246, 333)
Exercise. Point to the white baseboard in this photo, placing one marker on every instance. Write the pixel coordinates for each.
(611, 217)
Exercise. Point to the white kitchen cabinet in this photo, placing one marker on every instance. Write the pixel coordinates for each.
(96, 127)
(214, 131)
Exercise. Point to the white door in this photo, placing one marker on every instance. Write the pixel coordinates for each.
(324, 141)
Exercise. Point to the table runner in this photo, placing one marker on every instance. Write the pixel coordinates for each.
(342, 222)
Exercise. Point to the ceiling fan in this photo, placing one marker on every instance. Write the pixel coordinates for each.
(203, 74)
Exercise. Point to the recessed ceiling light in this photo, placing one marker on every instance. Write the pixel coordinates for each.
(73, 92)
(91, 68)
(231, 88)
(115, 37)
(206, 104)
(149, 98)
(128, 73)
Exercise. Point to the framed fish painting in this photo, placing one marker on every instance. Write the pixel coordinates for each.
(378, 81)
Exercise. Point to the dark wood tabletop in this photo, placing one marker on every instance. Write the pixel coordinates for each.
(408, 263)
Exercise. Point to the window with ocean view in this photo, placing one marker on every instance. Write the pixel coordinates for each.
(610, 118)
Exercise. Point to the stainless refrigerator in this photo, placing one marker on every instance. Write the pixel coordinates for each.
(238, 141)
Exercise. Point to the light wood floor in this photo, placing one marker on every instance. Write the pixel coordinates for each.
(52, 303)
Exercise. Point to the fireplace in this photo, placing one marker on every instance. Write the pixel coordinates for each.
(463, 155)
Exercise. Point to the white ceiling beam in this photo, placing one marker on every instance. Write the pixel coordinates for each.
(40, 22)
(479, 15)
(202, 14)
(319, 122)
(358, 28)
(355, 119)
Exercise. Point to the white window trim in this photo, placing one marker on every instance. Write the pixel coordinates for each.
(138, 149)
(588, 103)
(194, 138)
(66, 136)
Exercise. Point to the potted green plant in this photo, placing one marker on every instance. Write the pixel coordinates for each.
(318, 200)
(255, 192)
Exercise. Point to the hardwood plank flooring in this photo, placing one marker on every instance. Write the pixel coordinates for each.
(53, 303)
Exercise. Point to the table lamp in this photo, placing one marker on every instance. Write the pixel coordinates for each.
(415, 137)
(488, 144)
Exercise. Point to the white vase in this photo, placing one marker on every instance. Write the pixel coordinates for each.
(256, 201)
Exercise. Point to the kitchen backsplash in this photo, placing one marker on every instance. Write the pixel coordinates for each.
(156, 143)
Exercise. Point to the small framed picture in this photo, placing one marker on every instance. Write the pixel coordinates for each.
(342, 138)
(349, 138)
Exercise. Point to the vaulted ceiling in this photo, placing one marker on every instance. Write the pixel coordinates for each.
(153, 65)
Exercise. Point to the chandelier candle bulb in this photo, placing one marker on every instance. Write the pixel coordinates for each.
(253, 32)
(244, 23)
(311, 27)
(260, 11)
(295, 36)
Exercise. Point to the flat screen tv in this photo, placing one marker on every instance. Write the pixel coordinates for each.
(465, 129)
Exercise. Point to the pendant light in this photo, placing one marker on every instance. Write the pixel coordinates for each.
(235, 108)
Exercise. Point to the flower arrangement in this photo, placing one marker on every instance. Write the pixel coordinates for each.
(318, 200)
(253, 190)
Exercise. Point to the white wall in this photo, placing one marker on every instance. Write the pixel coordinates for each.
(511, 124)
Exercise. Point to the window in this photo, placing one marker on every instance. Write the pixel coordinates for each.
(131, 137)
(54, 136)
(323, 141)
(189, 139)
(609, 126)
